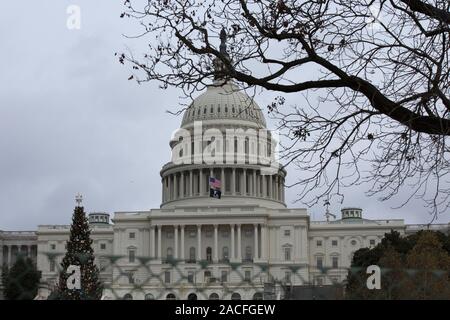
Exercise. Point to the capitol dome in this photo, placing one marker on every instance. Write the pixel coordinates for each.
(232, 148)
(223, 102)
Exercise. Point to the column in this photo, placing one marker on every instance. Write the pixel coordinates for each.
(254, 188)
(264, 185)
(239, 253)
(304, 248)
(222, 180)
(191, 182)
(199, 242)
(182, 242)
(152, 242)
(175, 238)
(182, 185)
(159, 242)
(276, 187)
(297, 241)
(9, 256)
(255, 249)
(163, 192)
(269, 186)
(258, 185)
(244, 182)
(233, 256)
(169, 194)
(263, 242)
(233, 181)
(201, 187)
(216, 245)
(175, 186)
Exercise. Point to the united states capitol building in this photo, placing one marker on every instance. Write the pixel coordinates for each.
(196, 246)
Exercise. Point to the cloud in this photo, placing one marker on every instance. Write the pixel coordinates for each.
(70, 121)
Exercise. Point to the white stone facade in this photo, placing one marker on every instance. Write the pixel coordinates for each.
(225, 248)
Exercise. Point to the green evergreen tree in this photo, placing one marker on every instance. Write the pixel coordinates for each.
(5, 271)
(22, 281)
(79, 253)
(415, 267)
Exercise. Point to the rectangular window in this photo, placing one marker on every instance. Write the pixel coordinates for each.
(131, 256)
(167, 277)
(334, 243)
(224, 276)
(103, 264)
(287, 233)
(190, 277)
(102, 246)
(207, 276)
(319, 243)
(52, 265)
(132, 235)
(130, 278)
(335, 262)
(372, 242)
(53, 246)
(319, 262)
(247, 275)
(287, 276)
(287, 254)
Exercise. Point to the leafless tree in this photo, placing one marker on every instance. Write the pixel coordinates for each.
(374, 75)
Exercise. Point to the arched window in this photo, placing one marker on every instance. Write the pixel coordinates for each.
(171, 296)
(128, 296)
(235, 296)
(225, 254)
(209, 254)
(149, 296)
(213, 296)
(192, 296)
(258, 296)
(192, 253)
(248, 253)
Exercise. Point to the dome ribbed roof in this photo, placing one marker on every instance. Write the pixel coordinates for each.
(223, 102)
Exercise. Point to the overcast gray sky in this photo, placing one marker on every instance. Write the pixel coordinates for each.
(70, 121)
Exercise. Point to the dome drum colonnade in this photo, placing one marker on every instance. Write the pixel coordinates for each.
(189, 182)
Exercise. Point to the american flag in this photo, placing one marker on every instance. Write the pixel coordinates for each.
(214, 183)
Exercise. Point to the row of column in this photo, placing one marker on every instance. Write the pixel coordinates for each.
(31, 252)
(194, 182)
(235, 232)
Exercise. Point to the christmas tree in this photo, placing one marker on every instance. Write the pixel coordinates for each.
(79, 253)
